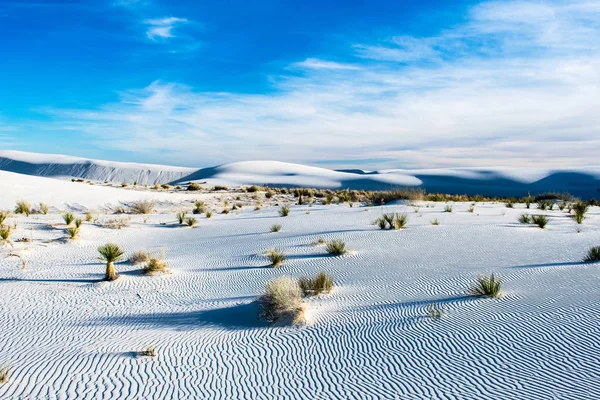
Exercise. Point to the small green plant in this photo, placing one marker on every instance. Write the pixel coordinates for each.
(488, 286)
(284, 211)
(282, 301)
(181, 217)
(580, 211)
(336, 247)
(391, 221)
(209, 214)
(3, 216)
(23, 207)
(435, 221)
(149, 352)
(194, 187)
(322, 283)
(5, 232)
(73, 232)
(275, 228)
(435, 312)
(199, 207)
(539, 220)
(44, 209)
(190, 222)
(110, 253)
(448, 208)
(68, 218)
(525, 218)
(593, 255)
(276, 257)
(78, 222)
(89, 216)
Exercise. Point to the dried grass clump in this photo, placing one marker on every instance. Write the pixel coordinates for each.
(282, 301)
(435, 221)
(5, 232)
(391, 221)
(139, 257)
(194, 187)
(284, 211)
(110, 253)
(23, 207)
(336, 247)
(435, 312)
(199, 207)
(142, 206)
(181, 217)
(4, 371)
(155, 265)
(488, 286)
(448, 208)
(276, 257)
(89, 216)
(44, 209)
(593, 255)
(209, 214)
(115, 223)
(148, 352)
(73, 232)
(322, 283)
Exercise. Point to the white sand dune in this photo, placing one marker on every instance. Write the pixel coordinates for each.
(581, 182)
(52, 165)
(67, 335)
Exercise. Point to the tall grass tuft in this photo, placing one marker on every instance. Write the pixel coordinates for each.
(44, 209)
(539, 220)
(282, 301)
(139, 257)
(142, 206)
(488, 286)
(181, 217)
(336, 247)
(78, 223)
(391, 221)
(68, 218)
(322, 283)
(284, 211)
(73, 232)
(110, 253)
(89, 216)
(525, 218)
(191, 222)
(275, 228)
(23, 207)
(593, 255)
(5, 232)
(3, 216)
(276, 257)
(580, 210)
(199, 207)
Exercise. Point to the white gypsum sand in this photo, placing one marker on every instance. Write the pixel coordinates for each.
(67, 334)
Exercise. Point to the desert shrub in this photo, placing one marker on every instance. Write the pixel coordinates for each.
(142, 206)
(199, 207)
(4, 372)
(209, 214)
(553, 196)
(435, 221)
(181, 217)
(471, 209)
(73, 232)
(580, 209)
(539, 220)
(225, 211)
(139, 257)
(322, 283)
(268, 194)
(435, 312)
(155, 265)
(44, 209)
(149, 352)
(165, 186)
(486, 286)
(448, 208)
(110, 253)
(510, 204)
(391, 221)
(593, 255)
(252, 189)
(384, 197)
(78, 222)
(68, 218)
(3, 216)
(284, 211)
(275, 228)
(5, 232)
(219, 187)
(336, 247)
(525, 218)
(89, 216)
(194, 187)
(276, 257)
(544, 205)
(318, 242)
(190, 222)
(115, 223)
(23, 207)
(282, 301)
(561, 206)
(156, 187)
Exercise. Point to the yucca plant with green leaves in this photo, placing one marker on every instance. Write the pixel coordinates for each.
(336, 247)
(593, 255)
(73, 232)
(110, 253)
(276, 257)
(23, 207)
(275, 228)
(68, 218)
(580, 210)
(525, 218)
(486, 286)
(44, 209)
(181, 217)
(78, 222)
(539, 220)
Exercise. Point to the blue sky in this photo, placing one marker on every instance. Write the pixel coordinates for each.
(373, 84)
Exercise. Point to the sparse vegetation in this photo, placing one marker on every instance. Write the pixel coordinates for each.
(284, 211)
(276, 257)
(73, 232)
(142, 206)
(208, 214)
(336, 247)
(191, 222)
(435, 312)
(275, 228)
(155, 265)
(4, 372)
(282, 301)
(435, 221)
(68, 218)
(3, 216)
(115, 223)
(23, 207)
(580, 210)
(89, 216)
(448, 208)
(181, 217)
(510, 204)
(488, 286)
(43, 209)
(110, 253)
(539, 220)
(322, 283)
(139, 257)
(391, 221)
(593, 255)
(78, 223)
(199, 207)
(5, 232)
(525, 218)
(471, 208)
(194, 187)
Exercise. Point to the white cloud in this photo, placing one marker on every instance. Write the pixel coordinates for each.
(517, 84)
(162, 28)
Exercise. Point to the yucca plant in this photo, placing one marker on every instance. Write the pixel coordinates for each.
(3, 216)
(73, 232)
(191, 222)
(78, 222)
(539, 220)
(525, 218)
(580, 210)
(488, 286)
(68, 218)
(199, 207)
(181, 217)
(275, 228)
(322, 283)
(23, 207)
(593, 255)
(336, 247)
(44, 209)
(110, 253)
(5, 232)
(276, 257)
(284, 211)
(399, 221)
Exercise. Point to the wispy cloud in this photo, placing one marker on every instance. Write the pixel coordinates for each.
(162, 28)
(518, 83)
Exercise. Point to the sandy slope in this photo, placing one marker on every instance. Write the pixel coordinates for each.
(67, 335)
